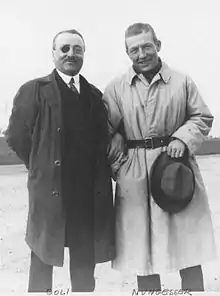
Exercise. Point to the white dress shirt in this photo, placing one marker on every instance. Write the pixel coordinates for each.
(66, 79)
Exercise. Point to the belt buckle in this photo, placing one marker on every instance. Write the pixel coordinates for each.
(151, 141)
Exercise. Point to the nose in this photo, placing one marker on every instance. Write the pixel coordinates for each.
(141, 52)
(70, 52)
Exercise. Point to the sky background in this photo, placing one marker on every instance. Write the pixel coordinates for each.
(188, 29)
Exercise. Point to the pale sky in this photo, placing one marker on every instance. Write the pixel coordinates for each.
(188, 30)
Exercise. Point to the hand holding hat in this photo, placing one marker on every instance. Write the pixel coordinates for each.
(176, 148)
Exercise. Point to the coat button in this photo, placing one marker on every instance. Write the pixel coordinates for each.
(55, 193)
(57, 162)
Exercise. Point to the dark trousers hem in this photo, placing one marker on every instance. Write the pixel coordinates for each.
(41, 276)
(191, 280)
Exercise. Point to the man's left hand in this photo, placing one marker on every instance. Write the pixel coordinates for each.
(176, 148)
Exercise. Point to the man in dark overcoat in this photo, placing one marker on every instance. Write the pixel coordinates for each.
(58, 127)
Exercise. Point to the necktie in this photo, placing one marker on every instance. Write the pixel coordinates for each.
(72, 85)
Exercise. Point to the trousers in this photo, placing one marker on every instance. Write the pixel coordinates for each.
(81, 274)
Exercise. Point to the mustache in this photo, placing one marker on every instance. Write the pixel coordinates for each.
(73, 59)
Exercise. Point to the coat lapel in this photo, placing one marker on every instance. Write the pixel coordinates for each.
(85, 92)
(51, 93)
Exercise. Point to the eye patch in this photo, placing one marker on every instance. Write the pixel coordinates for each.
(76, 49)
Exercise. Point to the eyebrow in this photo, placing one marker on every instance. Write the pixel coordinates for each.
(144, 44)
(76, 45)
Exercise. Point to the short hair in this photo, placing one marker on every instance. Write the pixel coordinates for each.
(139, 28)
(71, 31)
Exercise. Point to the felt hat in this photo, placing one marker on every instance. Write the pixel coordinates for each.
(172, 182)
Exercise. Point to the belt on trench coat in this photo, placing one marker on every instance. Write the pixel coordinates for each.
(149, 142)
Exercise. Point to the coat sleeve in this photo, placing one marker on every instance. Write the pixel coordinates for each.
(117, 152)
(112, 105)
(198, 119)
(22, 121)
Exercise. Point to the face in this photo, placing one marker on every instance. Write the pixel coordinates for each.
(143, 51)
(68, 53)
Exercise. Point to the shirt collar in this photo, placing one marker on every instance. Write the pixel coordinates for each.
(164, 73)
(66, 78)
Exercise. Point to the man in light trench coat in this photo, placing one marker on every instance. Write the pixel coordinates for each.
(58, 127)
(152, 100)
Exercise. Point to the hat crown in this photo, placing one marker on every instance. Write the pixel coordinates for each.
(172, 182)
(175, 181)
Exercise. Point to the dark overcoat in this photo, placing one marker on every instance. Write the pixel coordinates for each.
(35, 134)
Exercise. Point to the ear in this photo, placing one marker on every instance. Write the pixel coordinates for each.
(158, 45)
(126, 47)
(53, 54)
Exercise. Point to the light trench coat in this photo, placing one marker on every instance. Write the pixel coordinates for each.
(148, 240)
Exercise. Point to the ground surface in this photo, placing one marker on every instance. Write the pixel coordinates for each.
(15, 255)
